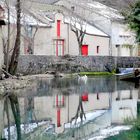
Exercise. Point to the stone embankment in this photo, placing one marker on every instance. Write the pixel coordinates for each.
(37, 64)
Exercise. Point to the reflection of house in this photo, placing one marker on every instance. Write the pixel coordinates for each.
(124, 106)
(60, 109)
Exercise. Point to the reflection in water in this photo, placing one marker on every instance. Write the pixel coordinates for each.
(80, 111)
(51, 107)
(11, 100)
(16, 113)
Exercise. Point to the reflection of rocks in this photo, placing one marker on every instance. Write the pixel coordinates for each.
(12, 84)
(16, 84)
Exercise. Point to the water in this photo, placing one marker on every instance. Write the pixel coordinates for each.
(68, 108)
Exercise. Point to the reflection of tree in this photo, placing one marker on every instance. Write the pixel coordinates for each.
(16, 113)
(80, 112)
(29, 109)
(6, 109)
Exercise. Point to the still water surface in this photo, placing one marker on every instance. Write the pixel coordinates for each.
(67, 108)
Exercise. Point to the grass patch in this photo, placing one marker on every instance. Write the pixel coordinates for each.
(95, 73)
(133, 134)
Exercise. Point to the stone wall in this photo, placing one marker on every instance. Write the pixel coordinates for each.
(35, 64)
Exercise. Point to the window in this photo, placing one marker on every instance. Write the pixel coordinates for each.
(58, 28)
(97, 49)
(73, 8)
(118, 50)
(29, 31)
(28, 41)
(59, 47)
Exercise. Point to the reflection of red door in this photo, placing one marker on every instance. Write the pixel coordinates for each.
(84, 96)
(85, 50)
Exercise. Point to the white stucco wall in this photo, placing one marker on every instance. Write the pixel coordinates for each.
(94, 41)
(121, 36)
(43, 42)
(71, 44)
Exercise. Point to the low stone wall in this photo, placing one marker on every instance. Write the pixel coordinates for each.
(35, 64)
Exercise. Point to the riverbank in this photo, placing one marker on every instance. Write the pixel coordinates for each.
(27, 81)
(11, 84)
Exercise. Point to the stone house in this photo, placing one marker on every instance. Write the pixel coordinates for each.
(45, 35)
(30, 26)
(60, 40)
(49, 33)
(110, 21)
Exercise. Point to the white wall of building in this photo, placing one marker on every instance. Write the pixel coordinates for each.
(108, 20)
(44, 40)
(121, 36)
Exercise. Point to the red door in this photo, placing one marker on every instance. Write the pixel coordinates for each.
(85, 50)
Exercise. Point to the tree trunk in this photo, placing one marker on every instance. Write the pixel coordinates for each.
(80, 48)
(8, 41)
(8, 117)
(15, 55)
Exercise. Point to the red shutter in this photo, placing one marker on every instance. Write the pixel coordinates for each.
(85, 50)
(58, 28)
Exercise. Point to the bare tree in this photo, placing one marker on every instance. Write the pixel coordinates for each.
(78, 22)
(6, 47)
(15, 55)
(78, 26)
